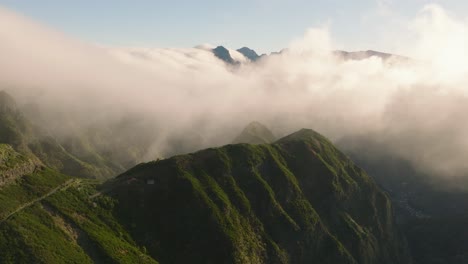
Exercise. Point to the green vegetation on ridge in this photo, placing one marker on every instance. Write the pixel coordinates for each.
(299, 200)
(65, 227)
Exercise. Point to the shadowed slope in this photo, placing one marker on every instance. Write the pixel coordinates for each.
(299, 200)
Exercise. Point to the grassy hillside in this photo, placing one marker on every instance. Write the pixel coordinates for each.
(14, 165)
(47, 217)
(299, 200)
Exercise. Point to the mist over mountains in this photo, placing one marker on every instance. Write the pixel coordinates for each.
(413, 109)
(250, 55)
(107, 152)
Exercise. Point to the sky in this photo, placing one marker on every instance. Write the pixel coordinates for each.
(264, 25)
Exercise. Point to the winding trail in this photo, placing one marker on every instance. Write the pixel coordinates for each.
(61, 187)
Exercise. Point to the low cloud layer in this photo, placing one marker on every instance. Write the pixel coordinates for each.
(416, 109)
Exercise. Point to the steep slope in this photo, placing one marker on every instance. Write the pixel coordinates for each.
(48, 217)
(255, 133)
(76, 157)
(223, 54)
(249, 53)
(14, 165)
(299, 200)
(14, 128)
(432, 212)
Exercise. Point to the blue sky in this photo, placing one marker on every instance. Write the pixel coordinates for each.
(265, 25)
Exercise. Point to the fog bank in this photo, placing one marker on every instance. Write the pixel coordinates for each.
(416, 109)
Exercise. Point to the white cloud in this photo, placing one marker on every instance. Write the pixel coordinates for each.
(416, 109)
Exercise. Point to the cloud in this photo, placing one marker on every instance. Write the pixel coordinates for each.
(384, 7)
(415, 109)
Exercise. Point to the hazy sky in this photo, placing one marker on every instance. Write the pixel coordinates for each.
(264, 25)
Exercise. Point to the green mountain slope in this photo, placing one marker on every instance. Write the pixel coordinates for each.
(299, 200)
(77, 155)
(14, 165)
(48, 217)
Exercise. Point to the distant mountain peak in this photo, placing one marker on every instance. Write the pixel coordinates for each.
(236, 57)
(362, 55)
(305, 135)
(249, 53)
(223, 54)
(255, 133)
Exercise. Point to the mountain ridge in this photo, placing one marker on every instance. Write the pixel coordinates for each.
(255, 200)
(255, 133)
(251, 55)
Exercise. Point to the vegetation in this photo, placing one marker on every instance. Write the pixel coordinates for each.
(297, 201)
(10, 158)
(66, 227)
(28, 188)
(81, 155)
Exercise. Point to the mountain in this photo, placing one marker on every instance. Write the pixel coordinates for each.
(15, 129)
(431, 213)
(14, 165)
(255, 133)
(48, 217)
(74, 156)
(223, 54)
(235, 57)
(249, 53)
(299, 200)
(361, 55)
